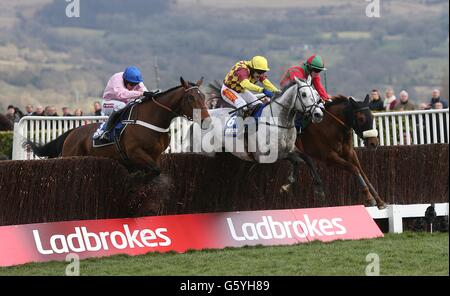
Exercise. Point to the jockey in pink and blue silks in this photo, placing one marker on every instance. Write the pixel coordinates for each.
(121, 89)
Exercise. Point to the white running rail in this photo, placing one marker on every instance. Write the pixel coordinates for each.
(396, 213)
(394, 128)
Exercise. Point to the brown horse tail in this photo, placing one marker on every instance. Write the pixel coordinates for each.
(51, 149)
(214, 88)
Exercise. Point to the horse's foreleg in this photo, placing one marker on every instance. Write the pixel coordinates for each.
(317, 181)
(336, 160)
(380, 203)
(145, 162)
(295, 160)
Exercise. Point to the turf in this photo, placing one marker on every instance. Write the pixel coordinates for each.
(399, 254)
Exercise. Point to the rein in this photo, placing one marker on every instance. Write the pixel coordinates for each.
(305, 108)
(170, 109)
(340, 121)
(336, 118)
(154, 127)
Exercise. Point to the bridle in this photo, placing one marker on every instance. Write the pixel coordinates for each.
(184, 101)
(307, 109)
(361, 134)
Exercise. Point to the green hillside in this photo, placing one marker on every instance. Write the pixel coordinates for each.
(47, 58)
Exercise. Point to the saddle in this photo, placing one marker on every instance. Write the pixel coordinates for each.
(254, 111)
(231, 128)
(122, 121)
(117, 130)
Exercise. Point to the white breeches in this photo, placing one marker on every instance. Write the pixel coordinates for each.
(238, 99)
(108, 106)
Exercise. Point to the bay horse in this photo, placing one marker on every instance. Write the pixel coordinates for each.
(143, 141)
(331, 141)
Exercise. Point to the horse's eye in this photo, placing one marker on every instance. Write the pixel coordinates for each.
(304, 95)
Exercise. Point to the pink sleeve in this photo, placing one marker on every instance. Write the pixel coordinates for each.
(115, 90)
(125, 95)
(141, 87)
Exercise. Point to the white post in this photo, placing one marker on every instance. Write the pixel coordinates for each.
(16, 142)
(355, 140)
(400, 129)
(441, 128)
(433, 120)
(394, 131)
(380, 130)
(427, 127)
(395, 219)
(446, 125)
(388, 135)
(414, 123)
(408, 131)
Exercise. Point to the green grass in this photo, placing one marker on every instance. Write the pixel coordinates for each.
(400, 254)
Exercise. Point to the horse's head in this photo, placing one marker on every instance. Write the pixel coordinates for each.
(193, 99)
(307, 100)
(363, 122)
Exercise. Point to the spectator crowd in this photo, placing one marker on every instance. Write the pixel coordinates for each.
(14, 114)
(391, 103)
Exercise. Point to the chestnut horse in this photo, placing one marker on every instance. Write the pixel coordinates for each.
(145, 137)
(331, 141)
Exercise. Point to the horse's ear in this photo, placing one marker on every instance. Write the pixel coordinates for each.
(200, 82)
(308, 81)
(298, 80)
(183, 83)
(367, 99)
(352, 100)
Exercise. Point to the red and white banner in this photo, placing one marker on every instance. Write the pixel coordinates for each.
(134, 236)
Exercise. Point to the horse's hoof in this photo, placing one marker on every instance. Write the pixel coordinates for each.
(382, 206)
(285, 188)
(319, 195)
(370, 203)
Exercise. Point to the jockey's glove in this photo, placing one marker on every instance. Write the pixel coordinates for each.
(268, 93)
(148, 94)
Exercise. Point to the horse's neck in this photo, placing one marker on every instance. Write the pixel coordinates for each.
(284, 115)
(155, 114)
(341, 124)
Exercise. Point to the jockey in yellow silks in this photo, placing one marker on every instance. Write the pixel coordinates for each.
(240, 82)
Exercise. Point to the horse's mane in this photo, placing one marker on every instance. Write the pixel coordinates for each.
(171, 89)
(284, 89)
(336, 100)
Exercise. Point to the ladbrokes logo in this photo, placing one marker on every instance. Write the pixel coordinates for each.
(83, 240)
(269, 229)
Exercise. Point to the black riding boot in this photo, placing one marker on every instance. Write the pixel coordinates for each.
(298, 124)
(111, 123)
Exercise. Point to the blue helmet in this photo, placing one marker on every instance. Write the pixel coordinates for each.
(132, 74)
